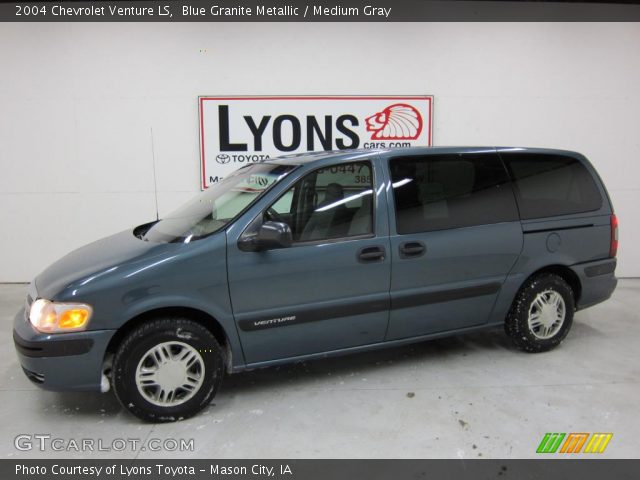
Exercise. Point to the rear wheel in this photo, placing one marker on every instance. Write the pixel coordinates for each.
(542, 313)
(167, 369)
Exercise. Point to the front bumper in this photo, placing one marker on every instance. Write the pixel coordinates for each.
(61, 362)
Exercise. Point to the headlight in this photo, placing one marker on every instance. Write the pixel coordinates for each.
(52, 317)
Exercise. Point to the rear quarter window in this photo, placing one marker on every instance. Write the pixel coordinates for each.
(551, 185)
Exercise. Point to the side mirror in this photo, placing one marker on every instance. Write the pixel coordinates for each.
(269, 236)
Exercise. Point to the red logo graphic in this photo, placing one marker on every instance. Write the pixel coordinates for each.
(396, 122)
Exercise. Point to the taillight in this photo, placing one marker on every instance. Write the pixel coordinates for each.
(613, 248)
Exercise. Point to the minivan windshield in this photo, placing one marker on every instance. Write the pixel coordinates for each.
(214, 208)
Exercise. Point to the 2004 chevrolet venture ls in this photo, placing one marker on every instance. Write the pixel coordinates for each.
(322, 254)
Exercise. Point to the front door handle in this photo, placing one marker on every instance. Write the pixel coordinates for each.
(371, 254)
(412, 249)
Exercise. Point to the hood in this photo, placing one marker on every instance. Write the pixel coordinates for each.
(95, 259)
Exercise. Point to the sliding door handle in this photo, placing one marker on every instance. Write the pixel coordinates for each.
(412, 249)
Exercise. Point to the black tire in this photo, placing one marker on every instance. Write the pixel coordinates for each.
(137, 344)
(517, 321)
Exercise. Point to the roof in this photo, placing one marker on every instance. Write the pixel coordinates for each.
(349, 155)
(303, 158)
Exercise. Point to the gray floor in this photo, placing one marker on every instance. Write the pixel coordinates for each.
(465, 397)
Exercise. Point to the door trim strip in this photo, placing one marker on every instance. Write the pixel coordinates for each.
(569, 227)
(317, 313)
(426, 298)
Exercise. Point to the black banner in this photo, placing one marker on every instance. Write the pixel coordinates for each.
(316, 11)
(591, 469)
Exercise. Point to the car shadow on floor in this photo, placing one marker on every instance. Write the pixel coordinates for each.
(365, 363)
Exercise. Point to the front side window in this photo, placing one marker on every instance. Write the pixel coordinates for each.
(437, 192)
(329, 203)
(214, 208)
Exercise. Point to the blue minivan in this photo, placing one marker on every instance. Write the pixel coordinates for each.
(322, 254)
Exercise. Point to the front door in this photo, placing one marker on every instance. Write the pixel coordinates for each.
(330, 289)
(455, 236)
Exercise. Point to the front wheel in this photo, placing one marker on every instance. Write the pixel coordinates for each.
(167, 369)
(542, 313)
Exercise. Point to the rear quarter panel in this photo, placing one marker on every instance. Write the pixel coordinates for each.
(565, 240)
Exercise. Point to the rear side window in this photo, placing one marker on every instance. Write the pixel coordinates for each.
(550, 185)
(436, 192)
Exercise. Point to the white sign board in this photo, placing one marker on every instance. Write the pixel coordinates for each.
(235, 131)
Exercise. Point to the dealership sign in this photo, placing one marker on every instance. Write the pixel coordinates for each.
(235, 131)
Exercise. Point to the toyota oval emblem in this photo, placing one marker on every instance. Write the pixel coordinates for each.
(223, 158)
